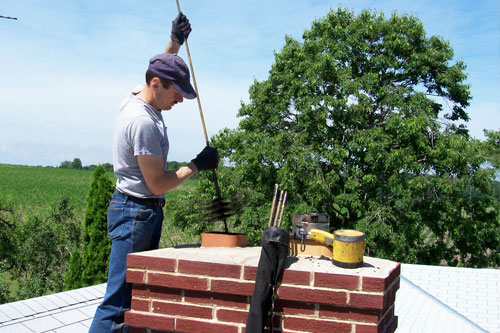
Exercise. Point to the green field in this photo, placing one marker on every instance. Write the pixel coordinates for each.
(34, 189)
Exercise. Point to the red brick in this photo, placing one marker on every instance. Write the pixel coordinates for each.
(395, 273)
(374, 284)
(337, 281)
(296, 277)
(360, 328)
(152, 321)
(140, 305)
(177, 281)
(387, 317)
(350, 314)
(135, 276)
(156, 263)
(210, 269)
(218, 299)
(175, 309)
(312, 295)
(294, 308)
(315, 325)
(232, 287)
(390, 295)
(232, 316)
(187, 325)
(370, 301)
(156, 292)
(381, 284)
(249, 273)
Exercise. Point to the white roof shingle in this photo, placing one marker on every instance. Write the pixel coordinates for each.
(473, 293)
(431, 299)
(70, 311)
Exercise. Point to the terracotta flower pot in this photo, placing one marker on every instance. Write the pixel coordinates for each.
(221, 239)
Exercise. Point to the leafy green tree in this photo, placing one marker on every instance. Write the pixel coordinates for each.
(8, 224)
(65, 165)
(76, 164)
(43, 244)
(492, 148)
(364, 119)
(108, 167)
(89, 265)
(7, 243)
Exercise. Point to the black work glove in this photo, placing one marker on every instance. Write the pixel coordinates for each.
(208, 159)
(180, 29)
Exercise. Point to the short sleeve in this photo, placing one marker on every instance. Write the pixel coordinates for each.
(145, 136)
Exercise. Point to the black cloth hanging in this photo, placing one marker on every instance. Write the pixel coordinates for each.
(275, 244)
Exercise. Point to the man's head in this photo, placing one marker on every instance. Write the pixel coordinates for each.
(171, 68)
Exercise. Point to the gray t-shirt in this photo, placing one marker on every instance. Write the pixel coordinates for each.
(139, 130)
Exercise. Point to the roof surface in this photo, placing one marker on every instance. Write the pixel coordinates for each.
(430, 299)
(69, 311)
(472, 292)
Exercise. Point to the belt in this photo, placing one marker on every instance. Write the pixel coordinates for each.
(144, 201)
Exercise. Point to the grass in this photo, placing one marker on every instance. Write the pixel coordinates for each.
(35, 188)
(32, 189)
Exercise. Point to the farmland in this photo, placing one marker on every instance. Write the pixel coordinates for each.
(36, 189)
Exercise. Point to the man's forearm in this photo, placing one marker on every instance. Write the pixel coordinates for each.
(174, 178)
(173, 47)
(159, 181)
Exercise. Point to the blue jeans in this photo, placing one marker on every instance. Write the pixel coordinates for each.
(132, 227)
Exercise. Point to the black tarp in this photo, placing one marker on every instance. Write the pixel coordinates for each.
(275, 244)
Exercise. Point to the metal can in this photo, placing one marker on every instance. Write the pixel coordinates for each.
(348, 248)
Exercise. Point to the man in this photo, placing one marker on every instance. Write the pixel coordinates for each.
(140, 148)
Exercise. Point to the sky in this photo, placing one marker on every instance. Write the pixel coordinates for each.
(66, 65)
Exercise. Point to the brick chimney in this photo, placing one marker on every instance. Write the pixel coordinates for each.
(209, 290)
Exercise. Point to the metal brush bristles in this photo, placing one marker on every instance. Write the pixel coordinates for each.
(220, 209)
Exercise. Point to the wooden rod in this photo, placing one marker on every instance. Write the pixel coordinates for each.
(194, 82)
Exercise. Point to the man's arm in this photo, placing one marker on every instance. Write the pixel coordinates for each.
(159, 181)
(173, 47)
(181, 28)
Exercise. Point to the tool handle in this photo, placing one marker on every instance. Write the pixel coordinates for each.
(216, 182)
(194, 82)
(322, 237)
(278, 209)
(282, 209)
(276, 189)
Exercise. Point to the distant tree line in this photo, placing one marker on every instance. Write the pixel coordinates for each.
(77, 165)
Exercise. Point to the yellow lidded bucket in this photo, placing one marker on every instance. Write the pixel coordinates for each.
(348, 248)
